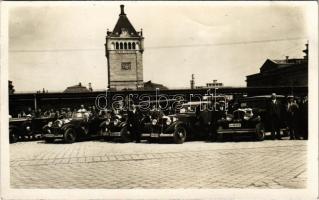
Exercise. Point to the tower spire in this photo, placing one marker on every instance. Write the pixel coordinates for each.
(122, 10)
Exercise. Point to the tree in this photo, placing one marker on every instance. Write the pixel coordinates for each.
(11, 87)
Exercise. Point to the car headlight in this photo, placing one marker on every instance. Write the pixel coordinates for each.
(168, 122)
(116, 122)
(107, 122)
(228, 118)
(28, 128)
(154, 121)
(50, 124)
(60, 123)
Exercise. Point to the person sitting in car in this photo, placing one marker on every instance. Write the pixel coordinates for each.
(82, 109)
(68, 113)
(156, 113)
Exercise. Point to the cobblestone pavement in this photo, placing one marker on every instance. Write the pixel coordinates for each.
(99, 164)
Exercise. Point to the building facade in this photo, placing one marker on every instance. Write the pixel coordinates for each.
(124, 52)
(287, 72)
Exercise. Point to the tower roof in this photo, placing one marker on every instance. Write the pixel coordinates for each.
(123, 24)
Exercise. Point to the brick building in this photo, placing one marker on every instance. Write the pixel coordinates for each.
(124, 52)
(287, 72)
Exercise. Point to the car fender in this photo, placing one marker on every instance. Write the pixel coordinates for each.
(102, 124)
(15, 129)
(123, 124)
(174, 125)
(66, 126)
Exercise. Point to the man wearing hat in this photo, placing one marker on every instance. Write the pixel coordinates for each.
(292, 114)
(274, 109)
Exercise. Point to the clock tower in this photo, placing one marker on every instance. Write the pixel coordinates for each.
(124, 52)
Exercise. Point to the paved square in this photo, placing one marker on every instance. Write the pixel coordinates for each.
(99, 164)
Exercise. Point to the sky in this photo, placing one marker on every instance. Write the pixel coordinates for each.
(54, 46)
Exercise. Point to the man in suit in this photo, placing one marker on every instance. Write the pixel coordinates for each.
(134, 117)
(293, 117)
(274, 111)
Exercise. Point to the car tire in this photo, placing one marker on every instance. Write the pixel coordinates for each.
(260, 132)
(125, 135)
(49, 140)
(69, 135)
(13, 138)
(179, 135)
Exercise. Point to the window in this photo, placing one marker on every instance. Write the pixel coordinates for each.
(125, 45)
(133, 45)
(129, 45)
(117, 45)
(121, 45)
(126, 66)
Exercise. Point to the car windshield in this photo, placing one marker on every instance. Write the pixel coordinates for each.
(78, 115)
(188, 108)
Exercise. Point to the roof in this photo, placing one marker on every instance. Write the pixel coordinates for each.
(270, 64)
(76, 88)
(149, 85)
(123, 24)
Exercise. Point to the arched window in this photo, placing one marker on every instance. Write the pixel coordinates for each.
(133, 45)
(121, 45)
(129, 46)
(125, 45)
(117, 45)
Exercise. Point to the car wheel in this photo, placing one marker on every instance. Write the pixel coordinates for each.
(49, 140)
(180, 135)
(13, 138)
(69, 135)
(125, 135)
(260, 132)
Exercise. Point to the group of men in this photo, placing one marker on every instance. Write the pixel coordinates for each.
(57, 113)
(293, 115)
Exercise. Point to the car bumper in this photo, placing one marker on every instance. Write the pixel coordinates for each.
(236, 131)
(157, 135)
(50, 135)
(53, 133)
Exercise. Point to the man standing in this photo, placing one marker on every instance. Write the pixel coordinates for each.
(274, 109)
(292, 110)
(304, 118)
(206, 119)
(134, 117)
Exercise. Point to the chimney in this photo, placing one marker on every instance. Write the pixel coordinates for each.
(122, 10)
(90, 87)
(192, 82)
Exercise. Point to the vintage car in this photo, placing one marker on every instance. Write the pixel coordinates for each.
(115, 127)
(242, 121)
(81, 126)
(181, 126)
(19, 128)
(259, 106)
(26, 128)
